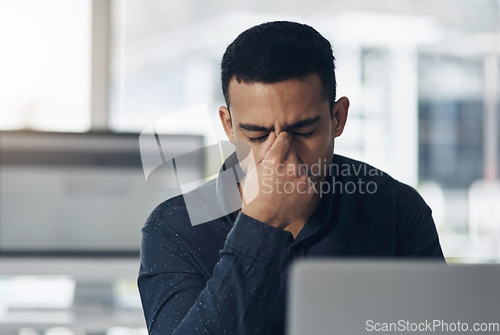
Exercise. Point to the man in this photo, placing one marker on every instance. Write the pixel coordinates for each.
(228, 275)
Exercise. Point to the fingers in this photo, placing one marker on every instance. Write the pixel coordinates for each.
(291, 162)
(269, 143)
(248, 155)
(280, 147)
(291, 156)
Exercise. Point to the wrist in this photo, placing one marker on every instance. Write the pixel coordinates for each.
(265, 217)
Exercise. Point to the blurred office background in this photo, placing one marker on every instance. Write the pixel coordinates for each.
(82, 78)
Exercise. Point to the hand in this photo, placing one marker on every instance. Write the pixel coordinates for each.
(277, 190)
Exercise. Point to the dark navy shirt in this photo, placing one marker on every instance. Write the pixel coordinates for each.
(228, 276)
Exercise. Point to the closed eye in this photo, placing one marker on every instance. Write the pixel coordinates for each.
(258, 139)
(303, 134)
(264, 138)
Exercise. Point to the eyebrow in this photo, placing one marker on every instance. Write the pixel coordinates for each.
(298, 124)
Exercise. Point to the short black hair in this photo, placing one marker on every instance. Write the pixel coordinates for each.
(275, 51)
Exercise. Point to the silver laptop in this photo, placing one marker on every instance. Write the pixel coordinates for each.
(353, 298)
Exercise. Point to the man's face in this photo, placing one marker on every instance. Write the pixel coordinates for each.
(299, 107)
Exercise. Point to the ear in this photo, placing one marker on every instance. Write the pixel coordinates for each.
(340, 111)
(225, 119)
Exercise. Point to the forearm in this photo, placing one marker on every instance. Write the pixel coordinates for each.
(247, 275)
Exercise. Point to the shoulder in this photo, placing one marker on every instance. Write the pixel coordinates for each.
(391, 204)
(351, 170)
(169, 211)
(347, 166)
(374, 179)
(169, 237)
(188, 213)
(166, 220)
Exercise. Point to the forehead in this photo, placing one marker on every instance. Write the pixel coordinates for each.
(285, 101)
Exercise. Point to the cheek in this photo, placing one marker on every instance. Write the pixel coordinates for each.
(309, 151)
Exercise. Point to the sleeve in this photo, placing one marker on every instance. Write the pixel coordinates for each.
(177, 299)
(417, 234)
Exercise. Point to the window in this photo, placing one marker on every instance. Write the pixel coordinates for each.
(45, 64)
